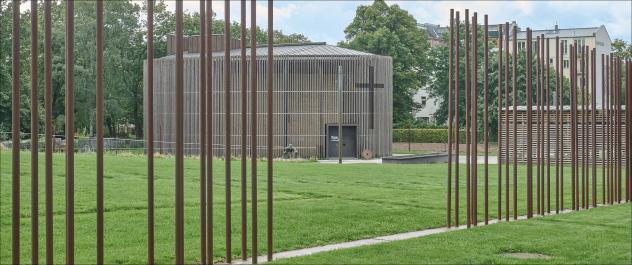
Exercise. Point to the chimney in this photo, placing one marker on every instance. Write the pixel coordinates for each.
(556, 28)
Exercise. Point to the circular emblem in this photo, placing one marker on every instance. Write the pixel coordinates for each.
(367, 154)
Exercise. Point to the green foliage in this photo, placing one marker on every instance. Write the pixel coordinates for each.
(423, 135)
(389, 30)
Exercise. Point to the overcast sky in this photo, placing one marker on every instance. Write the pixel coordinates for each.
(326, 20)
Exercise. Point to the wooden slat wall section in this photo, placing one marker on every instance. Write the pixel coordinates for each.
(305, 102)
(521, 136)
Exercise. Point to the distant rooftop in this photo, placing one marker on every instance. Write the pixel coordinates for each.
(562, 33)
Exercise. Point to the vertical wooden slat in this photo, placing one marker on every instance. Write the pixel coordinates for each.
(227, 127)
(202, 136)
(253, 130)
(99, 125)
(70, 135)
(270, 72)
(48, 105)
(150, 131)
(244, 111)
(34, 138)
(179, 243)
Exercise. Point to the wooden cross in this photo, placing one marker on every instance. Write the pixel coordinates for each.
(371, 86)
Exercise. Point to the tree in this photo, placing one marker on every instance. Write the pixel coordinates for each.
(391, 31)
(622, 49)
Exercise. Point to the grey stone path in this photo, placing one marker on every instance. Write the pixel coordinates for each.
(375, 240)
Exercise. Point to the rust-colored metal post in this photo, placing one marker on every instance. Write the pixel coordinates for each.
(507, 61)
(457, 79)
(542, 125)
(150, 132)
(538, 124)
(559, 159)
(474, 127)
(99, 121)
(586, 145)
(209, 132)
(581, 142)
(500, 124)
(486, 114)
(270, 71)
(515, 120)
(34, 139)
(529, 126)
(593, 112)
(70, 134)
(573, 81)
(15, 135)
(603, 128)
(548, 126)
(468, 137)
(560, 121)
(227, 128)
(450, 120)
(202, 98)
(628, 124)
(48, 106)
(584, 132)
(607, 118)
(179, 244)
(243, 72)
(253, 129)
(619, 132)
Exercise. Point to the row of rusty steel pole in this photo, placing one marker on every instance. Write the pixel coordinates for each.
(206, 155)
(544, 139)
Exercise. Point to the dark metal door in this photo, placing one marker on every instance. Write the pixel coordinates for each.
(349, 145)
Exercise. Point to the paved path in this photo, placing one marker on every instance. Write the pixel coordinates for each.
(375, 240)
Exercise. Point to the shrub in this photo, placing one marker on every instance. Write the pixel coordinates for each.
(423, 135)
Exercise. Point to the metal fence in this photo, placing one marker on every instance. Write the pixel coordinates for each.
(100, 145)
(546, 123)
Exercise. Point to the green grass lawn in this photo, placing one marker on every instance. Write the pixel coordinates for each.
(596, 236)
(315, 204)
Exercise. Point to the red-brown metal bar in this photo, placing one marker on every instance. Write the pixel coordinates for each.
(253, 134)
(542, 125)
(15, 135)
(179, 243)
(593, 112)
(227, 128)
(515, 120)
(548, 126)
(99, 134)
(529, 126)
(603, 128)
(559, 160)
(457, 115)
(486, 114)
(450, 120)
(202, 98)
(270, 120)
(560, 120)
(48, 106)
(608, 129)
(538, 124)
(500, 124)
(70, 135)
(586, 126)
(209, 133)
(150, 132)
(507, 61)
(582, 65)
(244, 138)
(628, 142)
(573, 81)
(468, 137)
(619, 132)
(34, 139)
(474, 112)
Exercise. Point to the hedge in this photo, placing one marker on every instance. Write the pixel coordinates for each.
(423, 135)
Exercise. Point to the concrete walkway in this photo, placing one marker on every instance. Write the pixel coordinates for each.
(377, 240)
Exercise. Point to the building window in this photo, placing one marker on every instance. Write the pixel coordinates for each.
(565, 46)
(424, 100)
(550, 61)
(565, 63)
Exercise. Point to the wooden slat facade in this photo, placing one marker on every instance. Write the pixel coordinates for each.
(522, 131)
(305, 103)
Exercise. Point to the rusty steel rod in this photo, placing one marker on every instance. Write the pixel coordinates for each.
(586, 145)
(548, 126)
(270, 120)
(150, 132)
(474, 122)
(70, 129)
(573, 77)
(583, 129)
(559, 160)
(457, 115)
(209, 133)
(179, 200)
(253, 129)
(486, 114)
(514, 78)
(593, 83)
(542, 125)
(15, 128)
(560, 121)
(538, 113)
(227, 128)
(628, 142)
(603, 128)
(608, 146)
(34, 139)
(529, 126)
(507, 61)
(468, 137)
(450, 120)
(99, 134)
(48, 106)
(619, 131)
(500, 104)
(244, 138)
(202, 88)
